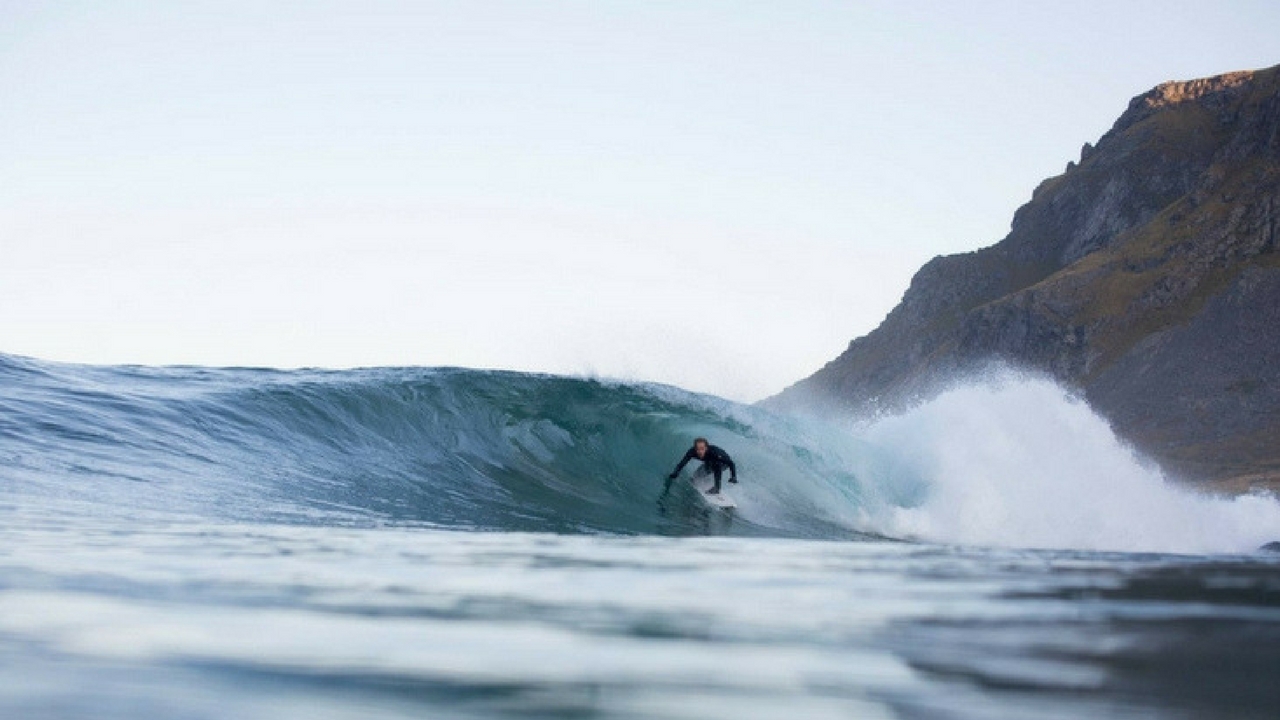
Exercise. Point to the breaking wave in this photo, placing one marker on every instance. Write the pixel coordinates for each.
(1015, 462)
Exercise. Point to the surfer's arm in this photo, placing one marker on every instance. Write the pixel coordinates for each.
(683, 461)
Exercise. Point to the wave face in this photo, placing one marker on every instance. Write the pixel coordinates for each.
(1013, 462)
(440, 447)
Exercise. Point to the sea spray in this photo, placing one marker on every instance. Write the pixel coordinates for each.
(1021, 462)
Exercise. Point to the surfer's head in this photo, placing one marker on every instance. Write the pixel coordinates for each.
(700, 446)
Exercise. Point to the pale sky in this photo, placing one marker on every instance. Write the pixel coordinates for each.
(717, 195)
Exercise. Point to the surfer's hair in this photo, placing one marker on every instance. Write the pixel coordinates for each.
(700, 440)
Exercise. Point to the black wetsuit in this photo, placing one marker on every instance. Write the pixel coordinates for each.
(714, 460)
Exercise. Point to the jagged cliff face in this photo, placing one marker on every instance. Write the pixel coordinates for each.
(1146, 275)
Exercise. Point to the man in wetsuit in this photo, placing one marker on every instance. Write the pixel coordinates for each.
(713, 460)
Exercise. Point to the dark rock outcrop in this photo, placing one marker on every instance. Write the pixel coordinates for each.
(1147, 275)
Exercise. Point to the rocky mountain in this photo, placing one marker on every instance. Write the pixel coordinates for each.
(1146, 275)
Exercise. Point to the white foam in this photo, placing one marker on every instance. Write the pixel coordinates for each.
(1020, 462)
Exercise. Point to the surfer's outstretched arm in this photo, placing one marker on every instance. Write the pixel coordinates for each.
(683, 461)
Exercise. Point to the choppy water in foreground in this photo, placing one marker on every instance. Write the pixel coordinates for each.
(199, 543)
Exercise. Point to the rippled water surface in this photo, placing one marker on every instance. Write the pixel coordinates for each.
(149, 618)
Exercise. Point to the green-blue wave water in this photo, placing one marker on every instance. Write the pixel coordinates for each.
(447, 448)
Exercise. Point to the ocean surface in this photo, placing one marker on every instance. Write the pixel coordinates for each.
(446, 543)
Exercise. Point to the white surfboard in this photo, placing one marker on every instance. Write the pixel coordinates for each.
(703, 483)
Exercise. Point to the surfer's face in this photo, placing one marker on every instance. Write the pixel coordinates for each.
(700, 448)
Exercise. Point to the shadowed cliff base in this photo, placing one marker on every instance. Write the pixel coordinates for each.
(1146, 276)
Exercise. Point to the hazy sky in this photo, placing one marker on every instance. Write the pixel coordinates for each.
(718, 195)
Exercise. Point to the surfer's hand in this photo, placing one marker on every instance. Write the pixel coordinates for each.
(672, 476)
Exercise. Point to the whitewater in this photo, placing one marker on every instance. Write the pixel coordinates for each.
(400, 542)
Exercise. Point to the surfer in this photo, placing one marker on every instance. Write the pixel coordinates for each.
(714, 460)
